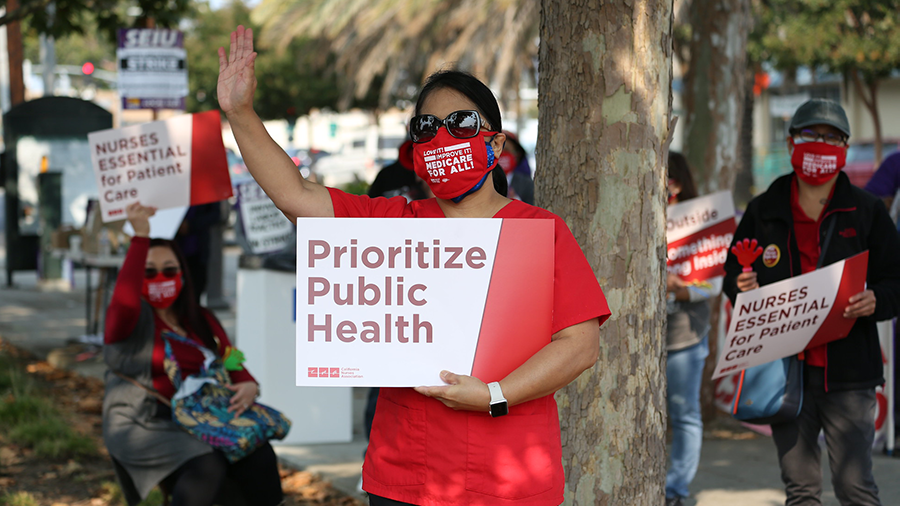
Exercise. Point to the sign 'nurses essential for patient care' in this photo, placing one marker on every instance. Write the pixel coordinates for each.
(393, 302)
(784, 318)
(171, 163)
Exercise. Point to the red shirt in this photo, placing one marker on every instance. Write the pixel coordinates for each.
(807, 233)
(425, 453)
(125, 309)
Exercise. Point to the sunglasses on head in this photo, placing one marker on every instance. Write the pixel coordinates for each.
(460, 124)
(168, 272)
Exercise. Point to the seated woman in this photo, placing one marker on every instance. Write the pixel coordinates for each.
(153, 294)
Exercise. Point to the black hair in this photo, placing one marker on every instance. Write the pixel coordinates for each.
(187, 310)
(498, 177)
(680, 171)
(470, 87)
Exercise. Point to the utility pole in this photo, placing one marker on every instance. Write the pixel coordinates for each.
(14, 49)
(48, 55)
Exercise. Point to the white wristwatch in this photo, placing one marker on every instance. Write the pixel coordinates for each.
(499, 406)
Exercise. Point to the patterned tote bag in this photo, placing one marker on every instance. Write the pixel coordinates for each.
(200, 406)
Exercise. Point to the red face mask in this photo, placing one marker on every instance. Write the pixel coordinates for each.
(450, 166)
(161, 291)
(507, 161)
(816, 163)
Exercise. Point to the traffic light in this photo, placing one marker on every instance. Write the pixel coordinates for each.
(87, 69)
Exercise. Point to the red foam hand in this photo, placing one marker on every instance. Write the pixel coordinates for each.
(747, 251)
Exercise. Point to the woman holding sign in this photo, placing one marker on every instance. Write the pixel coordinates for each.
(811, 218)
(687, 329)
(153, 298)
(448, 444)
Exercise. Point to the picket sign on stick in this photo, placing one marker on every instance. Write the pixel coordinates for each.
(171, 163)
(698, 234)
(394, 301)
(784, 318)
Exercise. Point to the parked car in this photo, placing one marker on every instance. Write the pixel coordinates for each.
(861, 160)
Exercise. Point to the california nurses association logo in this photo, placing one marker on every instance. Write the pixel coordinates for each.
(771, 255)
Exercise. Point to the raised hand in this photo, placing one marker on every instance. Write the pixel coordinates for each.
(139, 217)
(237, 80)
(747, 251)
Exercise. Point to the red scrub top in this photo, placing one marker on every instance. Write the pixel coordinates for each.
(425, 453)
(807, 231)
(125, 310)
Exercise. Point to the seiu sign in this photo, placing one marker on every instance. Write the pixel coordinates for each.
(150, 38)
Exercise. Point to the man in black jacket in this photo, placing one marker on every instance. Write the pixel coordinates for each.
(805, 220)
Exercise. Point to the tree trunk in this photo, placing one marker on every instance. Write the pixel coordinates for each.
(743, 183)
(714, 91)
(871, 103)
(604, 120)
(16, 57)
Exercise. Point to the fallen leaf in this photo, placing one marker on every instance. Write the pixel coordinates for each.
(71, 468)
(9, 457)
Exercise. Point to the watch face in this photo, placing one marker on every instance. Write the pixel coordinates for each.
(499, 408)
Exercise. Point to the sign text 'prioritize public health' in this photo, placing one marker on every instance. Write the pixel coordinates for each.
(390, 301)
(395, 290)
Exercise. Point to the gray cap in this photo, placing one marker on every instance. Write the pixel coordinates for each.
(819, 111)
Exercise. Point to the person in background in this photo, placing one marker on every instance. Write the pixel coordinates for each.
(153, 294)
(399, 178)
(514, 162)
(454, 443)
(687, 346)
(193, 237)
(810, 218)
(885, 183)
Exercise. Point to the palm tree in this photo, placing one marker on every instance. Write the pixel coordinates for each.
(394, 44)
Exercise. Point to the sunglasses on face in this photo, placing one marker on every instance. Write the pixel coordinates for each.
(460, 124)
(807, 135)
(168, 272)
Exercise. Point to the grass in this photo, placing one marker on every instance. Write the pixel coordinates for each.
(112, 494)
(53, 438)
(28, 418)
(18, 499)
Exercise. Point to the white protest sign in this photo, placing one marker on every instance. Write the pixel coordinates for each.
(392, 302)
(265, 227)
(152, 71)
(698, 234)
(171, 163)
(784, 318)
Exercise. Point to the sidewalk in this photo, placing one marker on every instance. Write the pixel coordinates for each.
(732, 472)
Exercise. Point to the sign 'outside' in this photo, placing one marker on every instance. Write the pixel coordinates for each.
(787, 317)
(151, 68)
(393, 301)
(698, 234)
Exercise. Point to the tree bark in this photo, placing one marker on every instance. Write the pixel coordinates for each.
(871, 103)
(714, 91)
(604, 125)
(16, 56)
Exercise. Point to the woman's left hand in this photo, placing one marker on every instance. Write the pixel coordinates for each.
(244, 395)
(462, 393)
